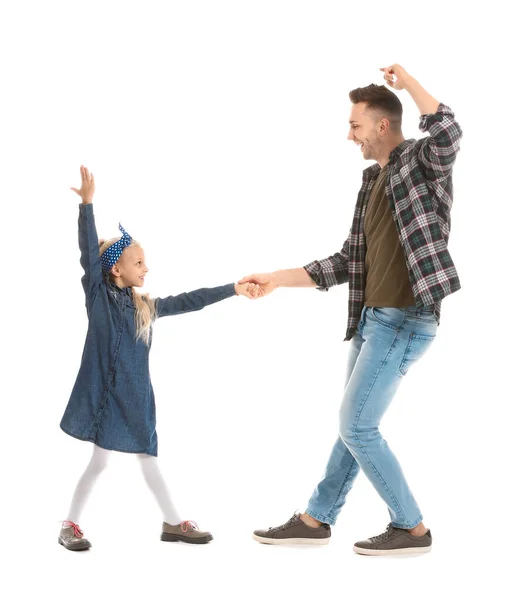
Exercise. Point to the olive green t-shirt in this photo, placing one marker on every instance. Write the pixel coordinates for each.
(387, 282)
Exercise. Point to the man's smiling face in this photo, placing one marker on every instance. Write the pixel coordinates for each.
(364, 130)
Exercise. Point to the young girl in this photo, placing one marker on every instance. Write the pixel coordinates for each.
(112, 403)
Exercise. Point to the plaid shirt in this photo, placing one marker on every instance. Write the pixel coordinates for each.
(420, 190)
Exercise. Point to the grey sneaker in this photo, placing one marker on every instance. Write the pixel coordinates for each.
(395, 541)
(71, 537)
(186, 531)
(294, 531)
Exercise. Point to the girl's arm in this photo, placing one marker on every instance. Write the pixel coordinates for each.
(88, 238)
(191, 301)
(90, 259)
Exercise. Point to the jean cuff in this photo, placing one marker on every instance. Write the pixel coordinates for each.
(409, 525)
(320, 517)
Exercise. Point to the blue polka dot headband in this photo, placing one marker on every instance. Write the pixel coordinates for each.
(113, 253)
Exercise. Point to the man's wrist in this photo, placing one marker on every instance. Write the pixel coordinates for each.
(276, 279)
(410, 83)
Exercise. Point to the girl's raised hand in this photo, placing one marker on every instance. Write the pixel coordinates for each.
(87, 186)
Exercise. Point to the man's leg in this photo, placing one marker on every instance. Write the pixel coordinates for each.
(391, 341)
(391, 344)
(313, 527)
(396, 339)
(366, 399)
(330, 494)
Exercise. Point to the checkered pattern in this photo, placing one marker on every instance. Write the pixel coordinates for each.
(419, 187)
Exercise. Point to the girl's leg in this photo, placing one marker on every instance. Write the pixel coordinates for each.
(97, 464)
(70, 535)
(155, 481)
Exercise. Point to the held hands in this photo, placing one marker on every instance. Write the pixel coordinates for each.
(249, 290)
(402, 77)
(264, 283)
(87, 186)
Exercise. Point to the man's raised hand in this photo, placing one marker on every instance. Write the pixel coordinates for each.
(400, 74)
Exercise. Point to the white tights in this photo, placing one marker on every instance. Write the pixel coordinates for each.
(152, 475)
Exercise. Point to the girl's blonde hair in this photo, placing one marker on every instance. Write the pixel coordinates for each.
(144, 305)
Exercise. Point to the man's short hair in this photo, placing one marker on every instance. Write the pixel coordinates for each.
(381, 100)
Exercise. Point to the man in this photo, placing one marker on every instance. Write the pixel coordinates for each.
(399, 269)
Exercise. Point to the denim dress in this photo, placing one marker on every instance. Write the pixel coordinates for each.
(112, 402)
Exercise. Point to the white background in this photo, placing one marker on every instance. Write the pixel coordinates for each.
(216, 132)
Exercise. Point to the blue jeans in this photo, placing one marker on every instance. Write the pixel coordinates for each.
(388, 341)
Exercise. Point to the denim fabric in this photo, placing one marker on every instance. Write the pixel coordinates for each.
(112, 403)
(387, 342)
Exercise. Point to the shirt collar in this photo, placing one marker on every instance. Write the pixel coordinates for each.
(371, 172)
(399, 149)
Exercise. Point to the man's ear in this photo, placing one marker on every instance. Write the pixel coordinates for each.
(384, 125)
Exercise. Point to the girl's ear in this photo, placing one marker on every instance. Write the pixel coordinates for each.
(115, 271)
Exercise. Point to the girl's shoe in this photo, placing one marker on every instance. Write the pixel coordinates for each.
(186, 531)
(71, 537)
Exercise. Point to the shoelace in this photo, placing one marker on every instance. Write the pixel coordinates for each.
(77, 531)
(291, 520)
(186, 524)
(383, 536)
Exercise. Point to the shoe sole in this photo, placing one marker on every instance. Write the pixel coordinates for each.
(296, 541)
(74, 548)
(370, 552)
(174, 537)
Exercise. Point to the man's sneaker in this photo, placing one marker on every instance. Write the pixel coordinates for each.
(71, 537)
(294, 531)
(186, 531)
(395, 541)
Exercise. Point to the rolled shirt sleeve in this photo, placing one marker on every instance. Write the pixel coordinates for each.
(437, 152)
(330, 271)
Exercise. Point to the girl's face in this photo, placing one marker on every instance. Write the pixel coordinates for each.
(130, 268)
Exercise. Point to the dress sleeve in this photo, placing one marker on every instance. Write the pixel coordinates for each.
(192, 301)
(89, 247)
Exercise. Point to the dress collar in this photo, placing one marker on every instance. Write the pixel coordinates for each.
(126, 290)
